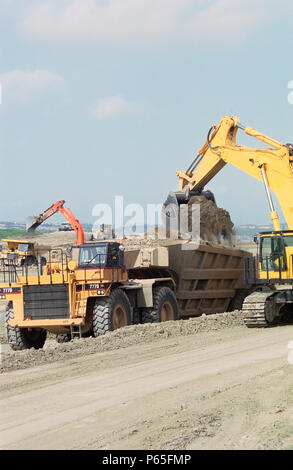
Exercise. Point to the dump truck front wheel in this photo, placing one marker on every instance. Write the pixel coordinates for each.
(22, 338)
(165, 306)
(28, 261)
(111, 313)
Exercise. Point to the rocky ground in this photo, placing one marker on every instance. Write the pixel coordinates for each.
(200, 384)
(122, 338)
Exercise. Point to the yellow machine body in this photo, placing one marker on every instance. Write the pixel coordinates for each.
(81, 285)
(275, 261)
(272, 165)
(22, 248)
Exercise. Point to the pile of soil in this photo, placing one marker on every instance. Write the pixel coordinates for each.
(121, 338)
(215, 223)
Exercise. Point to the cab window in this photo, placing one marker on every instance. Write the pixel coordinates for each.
(288, 240)
(24, 247)
(93, 255)
(278, 254)
(266, 252)
(113, 256)
(273, 254)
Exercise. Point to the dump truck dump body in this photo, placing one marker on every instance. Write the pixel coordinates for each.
(207, 278)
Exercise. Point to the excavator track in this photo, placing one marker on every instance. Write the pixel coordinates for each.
(254, 310)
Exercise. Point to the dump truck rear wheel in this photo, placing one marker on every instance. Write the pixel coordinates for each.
(22, 338)
(111, 313)
(165, 307)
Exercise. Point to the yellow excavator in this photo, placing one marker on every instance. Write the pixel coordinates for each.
(270, 272)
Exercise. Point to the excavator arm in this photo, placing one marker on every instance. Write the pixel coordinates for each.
(273, 165)
(67, 214)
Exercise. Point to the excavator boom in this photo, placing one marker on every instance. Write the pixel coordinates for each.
(273, 165)
(34, 222)
(58, 206)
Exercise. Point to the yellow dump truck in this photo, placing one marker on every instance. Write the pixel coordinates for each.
(19, 252)
(102, 288)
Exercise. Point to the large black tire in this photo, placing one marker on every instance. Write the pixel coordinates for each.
(22, 338)
(165, 307)
(111, 313)
(136, 318)
(29, 261)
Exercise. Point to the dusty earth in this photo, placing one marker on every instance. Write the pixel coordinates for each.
(204, 383)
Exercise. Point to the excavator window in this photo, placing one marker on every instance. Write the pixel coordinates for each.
(272, 254)
(288, 239)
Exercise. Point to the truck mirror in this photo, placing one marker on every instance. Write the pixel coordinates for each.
(255, 238)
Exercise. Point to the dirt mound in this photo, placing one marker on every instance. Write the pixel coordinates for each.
(215, 223)
(122, 338)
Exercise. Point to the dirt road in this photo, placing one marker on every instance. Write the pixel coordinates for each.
(217, 389)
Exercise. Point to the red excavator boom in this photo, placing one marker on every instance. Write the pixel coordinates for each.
(67, 214)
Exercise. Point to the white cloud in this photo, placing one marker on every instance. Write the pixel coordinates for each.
(117, 106)
(20, 85)
(149, 19)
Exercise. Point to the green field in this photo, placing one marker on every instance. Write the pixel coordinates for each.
(11, 233)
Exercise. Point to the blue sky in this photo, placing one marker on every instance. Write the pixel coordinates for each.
(111, 97)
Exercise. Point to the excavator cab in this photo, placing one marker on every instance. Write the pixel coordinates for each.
(275, 257)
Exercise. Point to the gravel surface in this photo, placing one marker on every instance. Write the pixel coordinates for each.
(3, 338)
(121, 338)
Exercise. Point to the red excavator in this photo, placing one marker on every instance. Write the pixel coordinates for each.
(34, 222)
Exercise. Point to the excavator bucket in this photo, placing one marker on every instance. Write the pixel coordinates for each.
(32, 223)
(171, 207)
